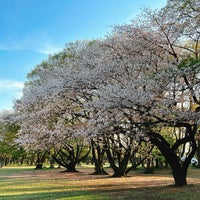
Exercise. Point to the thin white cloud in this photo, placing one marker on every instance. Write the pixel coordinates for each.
(37, 42)
(10, 85)
(10, 90)
(40, 43)
(48, 49)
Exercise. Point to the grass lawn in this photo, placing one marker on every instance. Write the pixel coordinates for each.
(30, 184)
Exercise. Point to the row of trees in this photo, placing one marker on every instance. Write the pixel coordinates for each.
(130, 150)
(135, 89)
(124, 153)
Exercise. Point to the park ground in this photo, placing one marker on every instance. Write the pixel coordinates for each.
(17, 183)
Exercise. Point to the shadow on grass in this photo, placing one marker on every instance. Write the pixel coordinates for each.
(190, 192)
(145, 193)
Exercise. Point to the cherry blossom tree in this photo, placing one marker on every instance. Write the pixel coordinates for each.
(149, 69)
(48, 115)
(156, 74)
(152, 68)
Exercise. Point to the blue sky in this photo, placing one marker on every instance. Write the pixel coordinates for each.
(30, 30)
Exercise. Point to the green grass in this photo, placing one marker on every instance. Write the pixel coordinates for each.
(30, 184)
(163, 193)
(14, 170)
(25, 188)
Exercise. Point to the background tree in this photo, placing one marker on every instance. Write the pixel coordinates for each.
(72, 153)
(9, 152)
(98, 154)
(49, 113)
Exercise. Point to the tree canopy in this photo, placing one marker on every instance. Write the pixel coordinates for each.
(138, 82)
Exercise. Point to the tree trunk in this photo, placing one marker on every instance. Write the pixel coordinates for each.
(39, 166)
(179, 169)
(198, 150)
(71, 167)
(40, 160)
(69, 159)
(97, 157)
(51, 163)
(121, 169)
(148, 168)
(180, 175)
(99, 169)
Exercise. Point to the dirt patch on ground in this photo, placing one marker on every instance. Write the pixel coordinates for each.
(84, 178)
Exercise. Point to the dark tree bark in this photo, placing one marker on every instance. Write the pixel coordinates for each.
(198, 150)
(52, 162)
(118, 153)
(69, 156)
(98, 152)
(122, 147)
(40, 160)
(179, 168)
(119, 168)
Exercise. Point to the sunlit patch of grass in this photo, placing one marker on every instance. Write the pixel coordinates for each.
(54, 195)
(45, 189)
